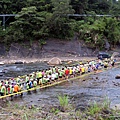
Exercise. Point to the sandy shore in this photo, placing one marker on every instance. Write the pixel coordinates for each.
(32, 60)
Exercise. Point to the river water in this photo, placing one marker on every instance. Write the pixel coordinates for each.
(95, 87)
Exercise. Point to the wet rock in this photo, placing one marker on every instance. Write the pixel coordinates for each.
(15, 114)
(4, 71)
(31, 106)
(82, 107)
(116, 107)
(44, 114)
(96, 77)
(1, 74)
(64, 116)
(18, 62)
(115, 84)
(117, 77)
(1, 63)
(107, 111)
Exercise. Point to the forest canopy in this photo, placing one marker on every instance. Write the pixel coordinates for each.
(94, 21)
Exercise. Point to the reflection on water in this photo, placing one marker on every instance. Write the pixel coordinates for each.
(95, 87)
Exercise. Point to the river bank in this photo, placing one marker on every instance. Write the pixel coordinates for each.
(33, 60)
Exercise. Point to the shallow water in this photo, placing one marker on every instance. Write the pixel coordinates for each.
(14, 70)
(80, 91)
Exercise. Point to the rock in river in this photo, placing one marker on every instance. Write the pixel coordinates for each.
(54, 61)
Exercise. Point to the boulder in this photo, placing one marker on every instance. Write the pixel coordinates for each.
(18, 62)
(117, 77)
(54, 61)
(1, 63)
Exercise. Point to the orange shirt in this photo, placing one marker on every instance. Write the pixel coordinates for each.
(16, 88)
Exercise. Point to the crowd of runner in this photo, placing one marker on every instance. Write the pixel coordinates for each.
(51, 75)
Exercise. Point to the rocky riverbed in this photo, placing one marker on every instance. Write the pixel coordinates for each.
(89, 98)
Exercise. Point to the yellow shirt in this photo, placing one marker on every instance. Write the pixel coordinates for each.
(83, 69)
(70, 71)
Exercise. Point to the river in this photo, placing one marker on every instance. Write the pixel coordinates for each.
(95, 87)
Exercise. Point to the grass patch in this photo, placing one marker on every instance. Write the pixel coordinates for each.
(106, 103)
(95, 108)
(55, 110)
(63, 101)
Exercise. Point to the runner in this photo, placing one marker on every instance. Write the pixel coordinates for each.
(50, 75)
(67, 71)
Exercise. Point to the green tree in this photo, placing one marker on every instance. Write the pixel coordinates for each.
(11, 6)
(80, 6)
(114, 7)
(99, 31)
(112, 30)
(41, 5)
(29, 25)
(99, 6)
(60, 24)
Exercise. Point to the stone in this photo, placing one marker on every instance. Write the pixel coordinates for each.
(55, 61)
